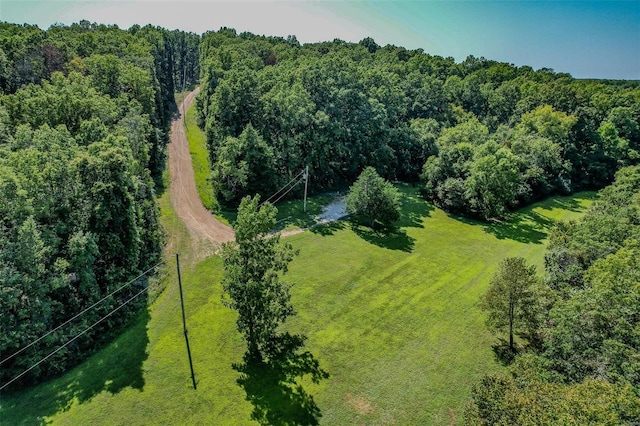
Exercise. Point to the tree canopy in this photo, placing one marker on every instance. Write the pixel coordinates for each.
(373, 199)
(586, 366)
(84, 115)
(253, 269)
(484, 137)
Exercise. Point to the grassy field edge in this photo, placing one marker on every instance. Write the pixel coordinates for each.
(200, 160)
(392, 318)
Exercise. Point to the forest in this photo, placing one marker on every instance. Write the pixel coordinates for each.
(482, 137)
(84, 116)
(85, 112)
(580, 360)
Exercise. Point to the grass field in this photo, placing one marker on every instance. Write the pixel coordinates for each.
(392, 319)
(200, 161)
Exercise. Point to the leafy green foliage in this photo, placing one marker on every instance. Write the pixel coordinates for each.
(499, 400)
(595, 331)
(486, 177)
(253, 266)
(612, 220)
(513, 299)
(384, 337)
(493, 183)
(340, 107)
(83, 122)
(587, 366)
(244, 167)
(373, 199)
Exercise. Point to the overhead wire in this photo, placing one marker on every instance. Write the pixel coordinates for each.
(285, 186)
(72, 339)
(79, 314)
(279, 198)
(296, 181)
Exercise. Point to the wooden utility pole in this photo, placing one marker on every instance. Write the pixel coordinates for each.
(306, 184)
(184, 323)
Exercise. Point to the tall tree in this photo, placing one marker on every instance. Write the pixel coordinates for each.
(253, 266)
(512, 299)
(493, 183)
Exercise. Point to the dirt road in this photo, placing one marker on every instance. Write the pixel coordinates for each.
(184, 196)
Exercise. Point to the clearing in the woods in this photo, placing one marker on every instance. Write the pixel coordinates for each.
(393, 319)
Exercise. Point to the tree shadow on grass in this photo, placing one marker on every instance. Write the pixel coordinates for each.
(414, 208)
(271, 386)
(329, 228)
(116, 366)
(525, 226)
(392, 238)
(570, 202)
(503, 353)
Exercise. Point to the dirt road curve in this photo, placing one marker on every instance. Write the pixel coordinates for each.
(184, 196)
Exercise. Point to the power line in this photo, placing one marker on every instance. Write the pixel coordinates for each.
(285, 186)
(296, 184)
(280, 190)
(72, 339)
(81, 313)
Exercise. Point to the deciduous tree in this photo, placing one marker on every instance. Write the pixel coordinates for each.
(253, 267)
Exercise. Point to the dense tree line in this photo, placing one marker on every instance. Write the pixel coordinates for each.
(582, 363)
(84, 115)
(484, 136)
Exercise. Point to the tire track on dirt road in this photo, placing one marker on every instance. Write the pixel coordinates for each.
(202, 225)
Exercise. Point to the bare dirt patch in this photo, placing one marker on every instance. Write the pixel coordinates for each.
(359, 403)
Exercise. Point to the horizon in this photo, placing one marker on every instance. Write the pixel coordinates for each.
(589, 40)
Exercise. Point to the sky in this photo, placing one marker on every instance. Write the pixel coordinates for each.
(587, 39)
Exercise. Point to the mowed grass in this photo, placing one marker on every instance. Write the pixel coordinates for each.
(200, 161)
(393, 319)
(143, 376)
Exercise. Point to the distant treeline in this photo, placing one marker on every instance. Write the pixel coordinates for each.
(84, 117)
(483, 136)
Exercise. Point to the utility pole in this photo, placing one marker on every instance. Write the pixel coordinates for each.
(306, 183)
(184, 323)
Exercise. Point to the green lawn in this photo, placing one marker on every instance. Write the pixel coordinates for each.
(200, 161)
(393, 320)
(291, 214)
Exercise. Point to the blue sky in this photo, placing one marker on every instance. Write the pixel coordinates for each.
(584, 38)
